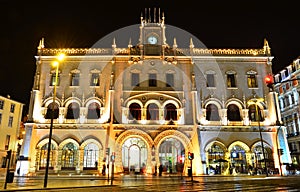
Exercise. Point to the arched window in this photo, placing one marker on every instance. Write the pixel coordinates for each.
(73, 111)
(212, 113)
(233, 113)
(91, 156)
(69, 156)
(170, 112)
(43, 155)
(152, 112)
(253, 115)
(93, 111)
(49, 111)
(134, 111)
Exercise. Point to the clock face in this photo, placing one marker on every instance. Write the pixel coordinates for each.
(152, 40)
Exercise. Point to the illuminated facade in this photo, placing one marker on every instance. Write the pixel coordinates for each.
(10, 121)
(288, 91)
(152, 103)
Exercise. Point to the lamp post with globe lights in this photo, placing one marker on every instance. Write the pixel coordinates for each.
(255, 102)
(55, 64)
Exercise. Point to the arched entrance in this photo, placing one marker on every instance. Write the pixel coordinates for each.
(171, 155)
(238, 160)
(134, 155)
(43, 156)
(69, 157)
(217, 162)
(91, 156)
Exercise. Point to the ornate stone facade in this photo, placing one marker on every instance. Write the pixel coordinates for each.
(152, 104)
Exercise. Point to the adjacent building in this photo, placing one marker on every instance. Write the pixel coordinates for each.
(288, 88)
(151, 103)
(10, 121)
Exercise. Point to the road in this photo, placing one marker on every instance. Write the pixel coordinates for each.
(154, 183)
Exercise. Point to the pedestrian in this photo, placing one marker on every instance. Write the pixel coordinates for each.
(160, 169)
(155, 170)
(96, 164)
(103, 169)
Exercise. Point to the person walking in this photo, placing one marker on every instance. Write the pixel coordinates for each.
(103, 169)
(160, 169)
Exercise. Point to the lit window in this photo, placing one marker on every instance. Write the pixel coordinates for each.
(52, 82)
(252, 82)
(231, 79)
(95, 79)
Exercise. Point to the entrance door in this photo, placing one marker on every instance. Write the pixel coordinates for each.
(134, 155)
(171, 155)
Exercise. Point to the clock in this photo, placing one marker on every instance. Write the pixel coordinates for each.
(152, 40)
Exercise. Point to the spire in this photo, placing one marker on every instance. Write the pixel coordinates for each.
(174, 43)
(146, 14)
(159, 15)
(129, 44)
(149, 15)
(163, 18)
(41, 44)
(141, 17)
(154, 15)
(267, 49)
(114, 43)
(191, 44)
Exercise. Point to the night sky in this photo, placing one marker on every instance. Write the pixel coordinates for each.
(71, 24)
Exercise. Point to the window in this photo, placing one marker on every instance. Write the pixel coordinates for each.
(95, 81)
(73, 111)
(231, 80)
(49, 111)
(210, 80)
(93, 111)
(233, 113)
(12, 108)
(7, 141)
(134, 111)
(152, 80)
(212, 113)
(1, 104)
(75, 79)
(52, 82)
(170, 112)
(135, 79)
(251, 79)
(170, 80)
(253, 114)
(10, 121)
(152, 112)
(0, 118)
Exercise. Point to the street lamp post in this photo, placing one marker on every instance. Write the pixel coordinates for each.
(255, 102)
(56, 65)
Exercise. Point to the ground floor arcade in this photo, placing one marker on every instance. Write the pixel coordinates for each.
(139, 151)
